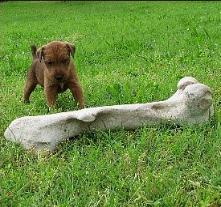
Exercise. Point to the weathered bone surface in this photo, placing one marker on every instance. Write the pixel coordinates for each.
(191, 104)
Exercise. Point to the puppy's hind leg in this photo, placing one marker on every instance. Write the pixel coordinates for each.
(29, 86)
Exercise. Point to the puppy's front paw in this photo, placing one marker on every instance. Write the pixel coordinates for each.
(81, 105)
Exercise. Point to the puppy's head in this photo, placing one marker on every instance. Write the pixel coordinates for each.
(56, 56)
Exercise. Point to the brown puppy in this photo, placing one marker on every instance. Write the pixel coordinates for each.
(53, 69)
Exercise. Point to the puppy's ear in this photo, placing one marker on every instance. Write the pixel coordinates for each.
(71, 49)
(40, 53)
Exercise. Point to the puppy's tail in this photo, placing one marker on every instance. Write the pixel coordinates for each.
(34, 51)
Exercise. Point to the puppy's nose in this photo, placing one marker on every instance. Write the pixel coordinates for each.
(59, 77)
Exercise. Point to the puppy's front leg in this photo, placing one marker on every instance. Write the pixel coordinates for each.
(51, 95)
(77, 92)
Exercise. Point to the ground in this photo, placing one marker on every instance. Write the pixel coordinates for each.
(127, 52)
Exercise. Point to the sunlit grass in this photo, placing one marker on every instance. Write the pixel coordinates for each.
(127, 52)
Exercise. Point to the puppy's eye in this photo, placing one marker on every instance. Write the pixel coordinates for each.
(49, 63)
(65, 62)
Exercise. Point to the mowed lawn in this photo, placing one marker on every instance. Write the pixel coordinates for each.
(127, 52)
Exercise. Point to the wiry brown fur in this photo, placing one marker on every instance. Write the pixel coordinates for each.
(53, 69)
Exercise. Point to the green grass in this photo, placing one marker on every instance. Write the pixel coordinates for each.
(127, 52)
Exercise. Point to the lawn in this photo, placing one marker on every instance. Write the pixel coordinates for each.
(127, 52)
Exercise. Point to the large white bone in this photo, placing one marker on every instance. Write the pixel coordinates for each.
(191, 104)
